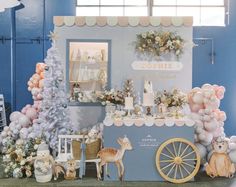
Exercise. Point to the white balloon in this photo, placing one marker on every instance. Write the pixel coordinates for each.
(198, 98)
(24, 121)
(209, 155)
(195, 116)
(196, 89)
(15, 131)
(233, 138)
(208, 111)
(211, 126)
(6, 128)
(4, 134)
(209, 147)
(206, 86)
(232, 146)
(232, 156)
(206, 118)
(207, 94)
(15, 115)
(199, 123)
(202, 136)
(18, 126)
(9, 133)
(202, 150)
(199, 130)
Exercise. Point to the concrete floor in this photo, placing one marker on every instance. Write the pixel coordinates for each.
(201, 180)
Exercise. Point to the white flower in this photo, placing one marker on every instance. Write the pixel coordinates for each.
(169, 43)
(177, 41)
(144, 35)
(177, 52)
(28, 173)
(36, 147)
(151, 32)
(6, 170)
(157, 38)
(22, 163)
(14, 166)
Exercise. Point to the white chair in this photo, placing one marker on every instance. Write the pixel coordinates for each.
(65, 150)
(3, 121)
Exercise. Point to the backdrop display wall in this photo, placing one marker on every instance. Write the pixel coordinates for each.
(122, 34)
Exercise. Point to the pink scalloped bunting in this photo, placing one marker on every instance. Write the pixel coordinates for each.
(188, 21)
(118, 123)
(123, 21)
(144, 21)
(58, 21)
(101, 21)
(138, 123)
(166, 21)
(80, 21)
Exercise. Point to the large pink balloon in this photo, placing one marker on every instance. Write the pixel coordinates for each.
(24, 121)
(31, 113)
(15, 116)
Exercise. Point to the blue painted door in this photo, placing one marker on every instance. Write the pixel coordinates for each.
(29, 50)
(5, 56)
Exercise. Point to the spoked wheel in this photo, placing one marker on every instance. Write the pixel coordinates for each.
(177, 160)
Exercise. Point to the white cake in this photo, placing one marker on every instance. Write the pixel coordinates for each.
(129, 103)
(148, 99)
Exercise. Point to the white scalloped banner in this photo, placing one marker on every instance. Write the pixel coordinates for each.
(69, 20)
(148, 122)
(122, 21)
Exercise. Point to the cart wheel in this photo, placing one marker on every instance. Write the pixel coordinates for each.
(177, 160)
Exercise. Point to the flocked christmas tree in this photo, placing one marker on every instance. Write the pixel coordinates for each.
(53, 118)
(129, 88)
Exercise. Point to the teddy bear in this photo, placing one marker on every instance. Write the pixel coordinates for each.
(70, 170)
(220, 163)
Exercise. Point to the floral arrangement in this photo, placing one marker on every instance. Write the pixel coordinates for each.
(154, 43)
(174, 98)
(15, 157)
(113, 96)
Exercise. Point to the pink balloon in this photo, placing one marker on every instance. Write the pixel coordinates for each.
(15, 116)
(39, 96)
(31, 113)
(220, 90)
(24, 121)
(23, 111)
(27, 106)
(211, 126)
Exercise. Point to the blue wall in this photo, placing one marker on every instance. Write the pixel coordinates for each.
(223, 71)
(33, 20)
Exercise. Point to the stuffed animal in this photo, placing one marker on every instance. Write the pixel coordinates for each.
(75, 91)
(220, 163)
(92, 136)
(57, 170)
(43, 164)
(70, 170)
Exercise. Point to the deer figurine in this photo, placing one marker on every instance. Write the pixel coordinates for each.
(108, 155)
